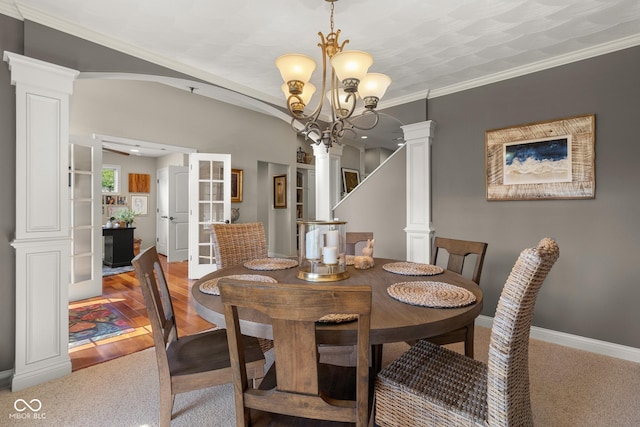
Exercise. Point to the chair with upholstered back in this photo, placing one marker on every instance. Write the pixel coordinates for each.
(432, 385)
(357, 240)
(299, 386)
(190, 362)
(459, 251)
(234, 244)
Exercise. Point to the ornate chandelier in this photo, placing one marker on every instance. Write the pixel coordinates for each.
(348, 81)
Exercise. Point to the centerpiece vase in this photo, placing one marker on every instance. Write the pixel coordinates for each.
(322, 251)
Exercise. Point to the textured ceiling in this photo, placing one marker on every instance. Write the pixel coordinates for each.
(428, 47)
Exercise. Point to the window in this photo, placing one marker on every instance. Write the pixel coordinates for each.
(110, 179)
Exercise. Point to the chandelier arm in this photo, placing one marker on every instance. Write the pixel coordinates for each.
(312, 127)
(366, 112)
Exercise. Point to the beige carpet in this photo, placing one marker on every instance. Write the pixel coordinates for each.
(569, 388)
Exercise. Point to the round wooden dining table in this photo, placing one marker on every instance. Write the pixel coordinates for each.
(391, 320)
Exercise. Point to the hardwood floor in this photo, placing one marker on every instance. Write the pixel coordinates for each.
(123, 291)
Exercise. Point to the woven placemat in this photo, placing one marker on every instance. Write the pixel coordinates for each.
(412, 268)
(338, 318)
(431, 294)
(270, 264)
(211, 286)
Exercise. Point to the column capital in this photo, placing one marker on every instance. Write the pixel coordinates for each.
(34, 72)
(419, 130)
(319, 150)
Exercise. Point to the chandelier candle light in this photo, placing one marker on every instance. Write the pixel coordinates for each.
(349, 79)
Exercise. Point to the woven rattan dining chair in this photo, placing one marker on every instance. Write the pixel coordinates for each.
(430, 385)
(356, 240)
(459, 251)
(299, 386)
(234, 244)
(188, 362)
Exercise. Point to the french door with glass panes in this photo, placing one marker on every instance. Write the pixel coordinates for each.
(85, 167)
(209, 203)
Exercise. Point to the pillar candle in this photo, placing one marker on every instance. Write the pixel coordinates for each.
(333, 238)
(312, 244)
(330, 255)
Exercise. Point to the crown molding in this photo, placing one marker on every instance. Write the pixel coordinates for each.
(39, 17)
(602, 49)
(579, 55)
(29, 13)
(10, 9)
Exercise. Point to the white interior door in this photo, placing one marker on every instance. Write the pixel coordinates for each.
(178, 221)
(85, 176)
(162, 211)
(209, 202)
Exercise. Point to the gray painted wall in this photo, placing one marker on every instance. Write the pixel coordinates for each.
(593, 289)
(155, 112)
(11, 40)
(380, 205)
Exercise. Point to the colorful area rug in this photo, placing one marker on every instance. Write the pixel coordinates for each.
(108, 271)
(95, 322)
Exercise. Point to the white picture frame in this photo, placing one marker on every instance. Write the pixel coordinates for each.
(140, 205)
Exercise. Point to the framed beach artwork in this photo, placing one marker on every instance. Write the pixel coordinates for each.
(545, 160)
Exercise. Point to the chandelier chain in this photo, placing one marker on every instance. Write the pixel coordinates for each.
(332, 5)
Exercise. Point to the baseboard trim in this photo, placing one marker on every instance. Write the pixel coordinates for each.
(39, 376)
(5, 379)
(575, 341)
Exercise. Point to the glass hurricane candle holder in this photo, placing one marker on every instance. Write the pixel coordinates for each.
(322, 251)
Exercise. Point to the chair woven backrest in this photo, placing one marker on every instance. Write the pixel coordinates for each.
(234, 244)
(458, 251)
(357, 240)
(508, 374)
(157, 302)
(294, 310)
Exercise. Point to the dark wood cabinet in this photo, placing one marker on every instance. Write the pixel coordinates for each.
(118, 246)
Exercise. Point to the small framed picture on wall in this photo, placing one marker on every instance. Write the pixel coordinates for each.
(280, 191)
(140, 205)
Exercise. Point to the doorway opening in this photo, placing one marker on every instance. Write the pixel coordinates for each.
(119, 295)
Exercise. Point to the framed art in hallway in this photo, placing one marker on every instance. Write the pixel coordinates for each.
(114, 210)
(350, 179)
(280, 191)
(236, 185)
(140, 205)
(543, 160)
